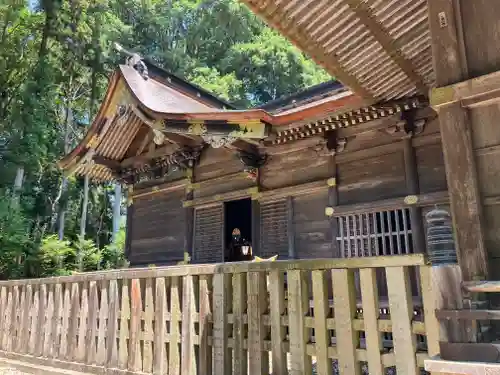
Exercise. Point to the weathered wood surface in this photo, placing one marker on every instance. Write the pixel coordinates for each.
(176, 320)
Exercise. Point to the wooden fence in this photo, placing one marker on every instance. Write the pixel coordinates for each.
(241, 318)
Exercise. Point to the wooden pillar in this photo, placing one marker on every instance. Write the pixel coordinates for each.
(463, 189)
(189, 212)
(333, 201)
(129, 224)
(256, 219)
(450, 66)
(292, 253)
(413, 188)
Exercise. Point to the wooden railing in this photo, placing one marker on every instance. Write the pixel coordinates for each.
(469, 339)
(243, 318)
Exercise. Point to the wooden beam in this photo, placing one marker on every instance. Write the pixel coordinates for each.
(470, 92)
(363, 11)
(110, 163)
(449, 61)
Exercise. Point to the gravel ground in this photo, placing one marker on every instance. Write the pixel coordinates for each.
(11, 371)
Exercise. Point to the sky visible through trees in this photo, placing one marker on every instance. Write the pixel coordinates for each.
(55, 60)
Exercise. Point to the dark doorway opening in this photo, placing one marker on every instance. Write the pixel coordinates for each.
(237, 214)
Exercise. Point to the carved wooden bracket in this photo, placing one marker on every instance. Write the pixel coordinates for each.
(160, 167)
(331, 144)
(252, 161)
(409, 126)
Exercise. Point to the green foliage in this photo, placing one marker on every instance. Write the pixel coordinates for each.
(54, 67)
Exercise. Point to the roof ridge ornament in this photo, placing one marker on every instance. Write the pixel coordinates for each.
(134, 60)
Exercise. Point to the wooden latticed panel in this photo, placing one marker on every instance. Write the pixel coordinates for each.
(208, 228)
(375, 233)
(274, 229)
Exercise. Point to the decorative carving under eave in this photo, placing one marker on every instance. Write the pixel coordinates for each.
(332, 144)
(160, 167)
(408, 126)
(218, 141)
(252, 162)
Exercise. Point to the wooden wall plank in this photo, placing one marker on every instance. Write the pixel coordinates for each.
(431, 323)
(65, 321)
(175, 334)
(188, 358)
(240, 354)
(298, 307)
(221, 301)
(278, 332)
(7, 338)
(26, 318)
(257, 300)
(20, 328)
(369, 298)
(205, 328)
(321, 314)
(83, 321)
(344, 295)
(401, 308)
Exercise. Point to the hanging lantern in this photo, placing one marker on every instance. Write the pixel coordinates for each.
(440, 240)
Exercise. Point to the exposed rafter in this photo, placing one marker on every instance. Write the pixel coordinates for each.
(365, 14)
(281, 21)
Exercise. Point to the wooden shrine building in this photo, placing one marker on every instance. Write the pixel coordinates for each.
(315, 175)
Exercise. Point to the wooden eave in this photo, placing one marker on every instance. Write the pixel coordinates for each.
(380, 49)
(114, 134)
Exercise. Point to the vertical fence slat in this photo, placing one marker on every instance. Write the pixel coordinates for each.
(91, 331)
(7, 338)
(149, 310)
(431, 323)
(344, 297)
(21, 328)
(401, 309)
(63, 347)
(25, 319)
(298, 307)
(205, 351)
(42, 305)
(16, 318)
(124, 331)
(175, 337)
(73, 322)
(321, 312)
(3, 309)
(369, 298)
(159, 367)
(188, 360)
(222, 356)
(57, 322)
(103, 325)
(111, 331)
(240, 356)
(48, 340)
(34, 322)
(82, 328)
(277, 302)
(134, 341)
(257, 299)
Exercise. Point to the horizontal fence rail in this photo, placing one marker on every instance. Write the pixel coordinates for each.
(284, 317)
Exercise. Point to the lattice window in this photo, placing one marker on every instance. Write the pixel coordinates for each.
(375, 233)
(274, 230)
